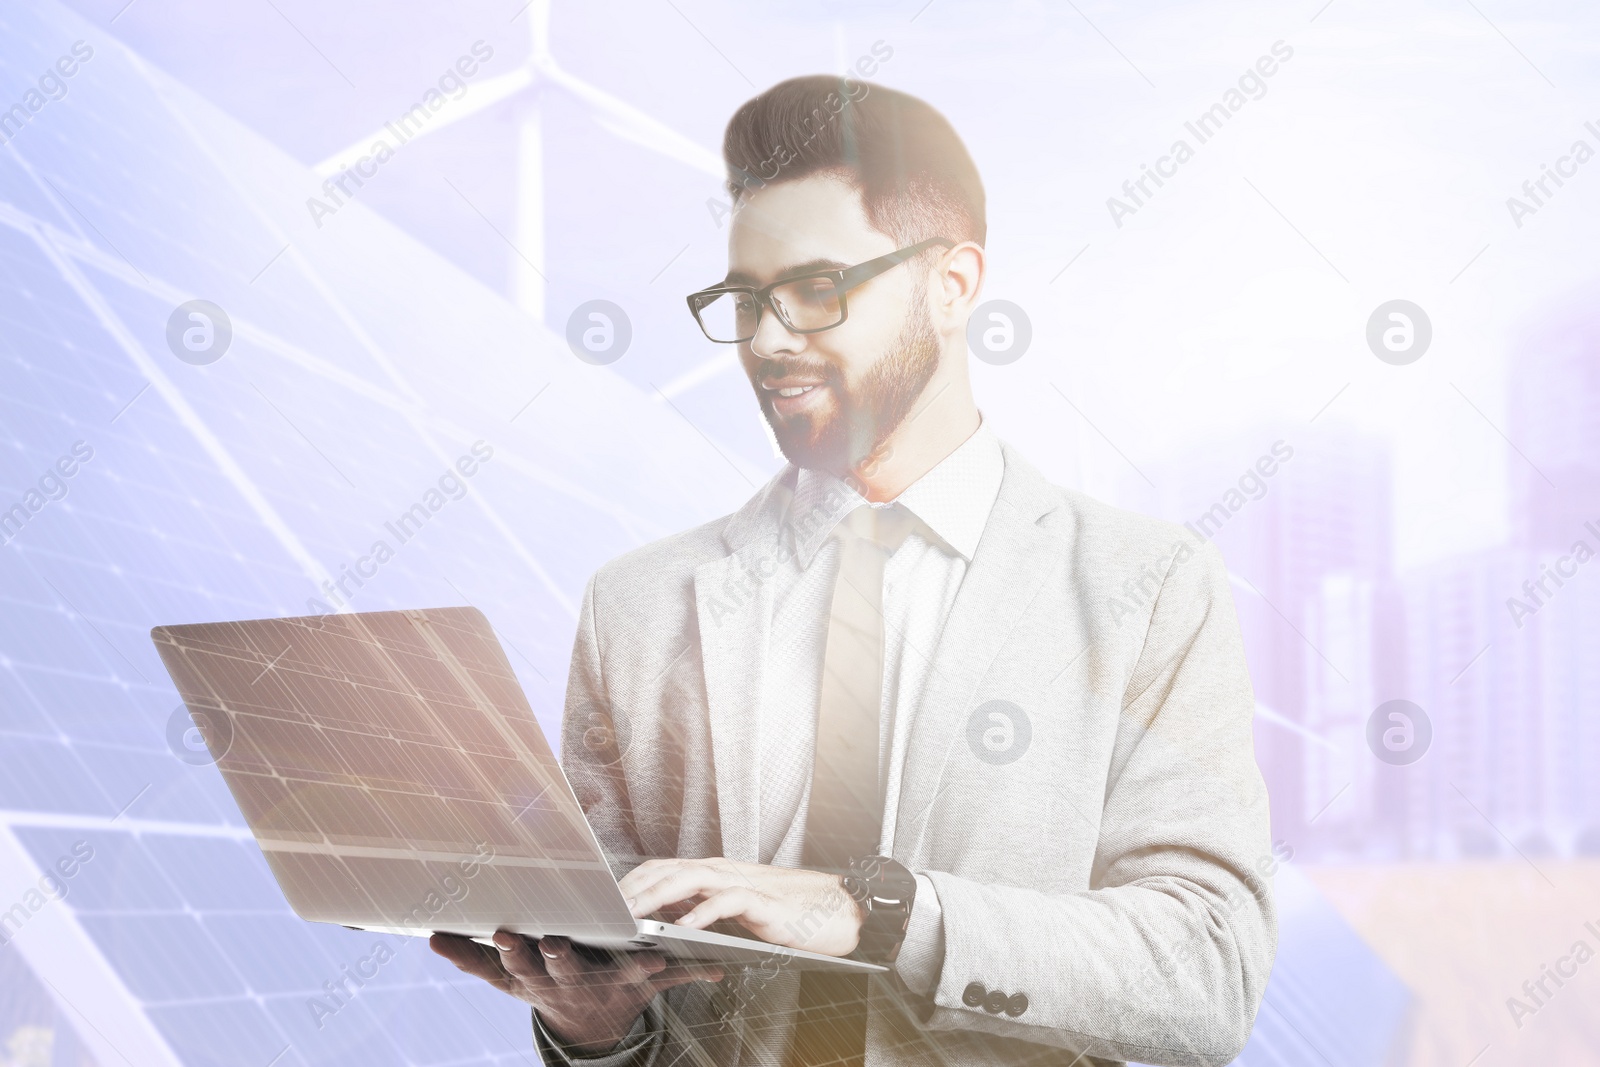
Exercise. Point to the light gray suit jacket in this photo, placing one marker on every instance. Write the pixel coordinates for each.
(1109, 860)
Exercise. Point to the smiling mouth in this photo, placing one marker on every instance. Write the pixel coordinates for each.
(795, 397)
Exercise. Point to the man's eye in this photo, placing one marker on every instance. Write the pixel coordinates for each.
(811, 291)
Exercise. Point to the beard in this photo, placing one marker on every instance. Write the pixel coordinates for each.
(841, 440)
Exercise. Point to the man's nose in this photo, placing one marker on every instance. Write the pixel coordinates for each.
(773, 337)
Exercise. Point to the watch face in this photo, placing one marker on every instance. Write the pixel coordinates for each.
(886, 881)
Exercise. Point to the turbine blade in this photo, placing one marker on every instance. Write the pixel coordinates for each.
(631, 124)
(479, 95)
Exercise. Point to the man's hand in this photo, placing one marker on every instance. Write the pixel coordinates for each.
(588, 1003)
(780, 905)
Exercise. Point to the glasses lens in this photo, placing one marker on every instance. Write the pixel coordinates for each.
(729, 317)
(809, 303)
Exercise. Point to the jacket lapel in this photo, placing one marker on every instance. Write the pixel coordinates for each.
(1014, 557)
(733, 602)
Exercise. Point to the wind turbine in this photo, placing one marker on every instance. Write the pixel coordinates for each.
(528, 83)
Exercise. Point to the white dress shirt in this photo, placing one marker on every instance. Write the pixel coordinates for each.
(919, 586)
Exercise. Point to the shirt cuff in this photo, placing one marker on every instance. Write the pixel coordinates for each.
(922, 953)
(551, 1049)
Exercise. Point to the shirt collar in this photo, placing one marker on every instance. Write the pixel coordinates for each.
(954, 498)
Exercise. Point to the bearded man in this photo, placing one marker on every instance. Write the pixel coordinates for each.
(884, 710)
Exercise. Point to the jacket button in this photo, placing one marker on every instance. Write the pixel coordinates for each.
(1016, 1005)
(973, 995)
(995, 1002)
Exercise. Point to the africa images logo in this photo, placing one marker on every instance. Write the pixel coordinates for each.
(1203, 128)
(48, 88)
(409, 125)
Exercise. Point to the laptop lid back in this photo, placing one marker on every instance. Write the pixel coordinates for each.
(394, 775)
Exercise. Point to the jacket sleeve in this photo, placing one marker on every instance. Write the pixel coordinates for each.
(640, 1048)
(1163, 960)
(591, 745)
(685, 1020)
(591, 758)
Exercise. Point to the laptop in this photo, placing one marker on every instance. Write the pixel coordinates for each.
(397, 781)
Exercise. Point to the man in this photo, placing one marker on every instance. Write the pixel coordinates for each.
(911, 703)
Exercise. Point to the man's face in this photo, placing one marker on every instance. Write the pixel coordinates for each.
(851, 385)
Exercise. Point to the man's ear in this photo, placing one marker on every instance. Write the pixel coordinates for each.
(959, 281)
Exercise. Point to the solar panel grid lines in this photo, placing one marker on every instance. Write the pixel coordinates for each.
(340, 795)
(624, 516)
(305, 266)
(20, 186)
(155, 146)
(76, 964)
(110, 216)
(284, 1008)
(349, 270)
(263, 199)
(121, 225)
(187, 415)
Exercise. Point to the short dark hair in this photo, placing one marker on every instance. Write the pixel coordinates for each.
(915, 177)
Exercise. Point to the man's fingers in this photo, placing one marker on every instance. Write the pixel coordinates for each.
(739, 902)
(518, 958)
(556, 957)
(470, 957)
(689, 880)
(567, 965)
(453, 948)
(640, 967)
(676, 974)
(555, 961)
(643, 875)
(656, 889)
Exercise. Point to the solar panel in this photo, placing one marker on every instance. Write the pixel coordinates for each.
(361, 370)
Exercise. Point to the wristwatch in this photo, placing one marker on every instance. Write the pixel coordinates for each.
(885, 890)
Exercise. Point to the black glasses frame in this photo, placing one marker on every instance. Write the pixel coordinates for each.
(843, 281)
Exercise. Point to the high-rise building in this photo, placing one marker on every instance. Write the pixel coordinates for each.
(1288, 507)
(1508, 698)
(1554, 427)
(1340, 805)
(1568, 632)
(1495, 775)
(1553, 423)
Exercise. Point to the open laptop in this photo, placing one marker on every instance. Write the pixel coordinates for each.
(396, 780)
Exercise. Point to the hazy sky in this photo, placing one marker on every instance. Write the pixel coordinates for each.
(1374, 164)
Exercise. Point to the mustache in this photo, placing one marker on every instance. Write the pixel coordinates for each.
(773, 368)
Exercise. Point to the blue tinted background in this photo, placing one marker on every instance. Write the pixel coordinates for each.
(1172, 347)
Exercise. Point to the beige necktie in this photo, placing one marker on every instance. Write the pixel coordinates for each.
(845, 817)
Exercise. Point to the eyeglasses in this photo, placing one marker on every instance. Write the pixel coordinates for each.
(810, 303)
